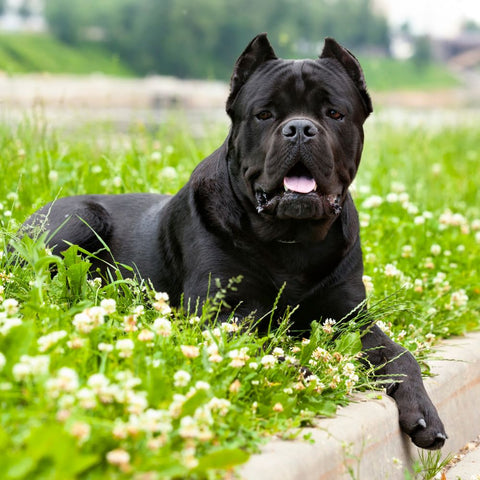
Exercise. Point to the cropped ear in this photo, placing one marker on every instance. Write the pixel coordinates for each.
(351, 65)
(257, 52)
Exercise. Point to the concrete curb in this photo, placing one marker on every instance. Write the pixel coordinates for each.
(364, 442)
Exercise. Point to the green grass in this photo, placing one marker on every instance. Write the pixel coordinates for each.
(385, 74)
(26, 53)
(80, 380)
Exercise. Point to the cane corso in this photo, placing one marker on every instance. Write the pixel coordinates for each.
(271, 204)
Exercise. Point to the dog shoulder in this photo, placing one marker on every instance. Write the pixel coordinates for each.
(211, 195)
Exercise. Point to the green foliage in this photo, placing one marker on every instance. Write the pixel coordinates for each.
(110, 378)
(24, 53)
(200, 38)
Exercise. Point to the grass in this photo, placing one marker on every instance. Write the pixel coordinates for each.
(387, 74)
(107, 381)
(26, 53)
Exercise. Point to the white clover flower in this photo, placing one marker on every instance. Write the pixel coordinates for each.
(125, 346)
(220, 405)
(105, 347)
(383, 327)
(7, 323)
(161, 303)
(86, 398)
(239, 357)
(407, 251)
(81, 431)
(3, 361)
(214, 355)
(230, 327)
(203, 415)
(145, 335)
(10, 306)
(87, 320)
(372, 201)
(391, 270)
(156, 421)
(435, 249)
(47, 341)
(189, 459)
(412, 209)
(201, 385)
(459, 298)
(419, 220)
(162, 327)
(127, 379)
(168, 173)
(68, 379)
(253, 365)
(364, 219)
(136, 402)
(21, 371)
(53, 176)
(368, 283)
(118, 457)
(392, 197)
(190, 351)
(327, 326)
(278, 352)
(349, 369)
(175, 408)
(181, 378)
(321, 354)
(188, 427)
(31, 366)
(109, 305)
(449, 218)
(97, 382)
(268, 361)
(278, 407)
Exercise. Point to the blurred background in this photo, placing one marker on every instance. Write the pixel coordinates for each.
(140, 60)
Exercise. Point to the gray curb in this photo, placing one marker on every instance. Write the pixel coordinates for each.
(365, 438)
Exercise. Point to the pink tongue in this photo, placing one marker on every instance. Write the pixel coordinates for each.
(299, 184)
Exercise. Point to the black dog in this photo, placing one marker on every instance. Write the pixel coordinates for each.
(271, 204)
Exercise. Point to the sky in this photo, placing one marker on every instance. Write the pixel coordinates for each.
(440, 18)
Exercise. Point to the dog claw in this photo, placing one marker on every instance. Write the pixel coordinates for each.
(422, 423)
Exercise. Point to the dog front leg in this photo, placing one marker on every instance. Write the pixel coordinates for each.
(397, 366)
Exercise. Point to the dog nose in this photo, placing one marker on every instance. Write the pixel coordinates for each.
(299, 129)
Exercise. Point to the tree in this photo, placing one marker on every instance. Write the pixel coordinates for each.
(201, 38)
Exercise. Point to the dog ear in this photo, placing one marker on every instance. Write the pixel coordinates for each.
(333, 50)
(257, 52)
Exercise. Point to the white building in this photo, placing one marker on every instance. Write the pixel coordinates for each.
(23, 16)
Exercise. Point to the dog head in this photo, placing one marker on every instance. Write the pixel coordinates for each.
(297, 131)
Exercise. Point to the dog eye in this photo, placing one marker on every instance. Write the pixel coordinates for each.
(335, 115)
(264, 115)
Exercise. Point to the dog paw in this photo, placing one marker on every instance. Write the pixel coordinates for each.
(430, 436)
(419, 418)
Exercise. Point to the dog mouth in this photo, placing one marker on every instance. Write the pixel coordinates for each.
(298, 197)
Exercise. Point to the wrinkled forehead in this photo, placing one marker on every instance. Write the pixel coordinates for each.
(300, 82)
